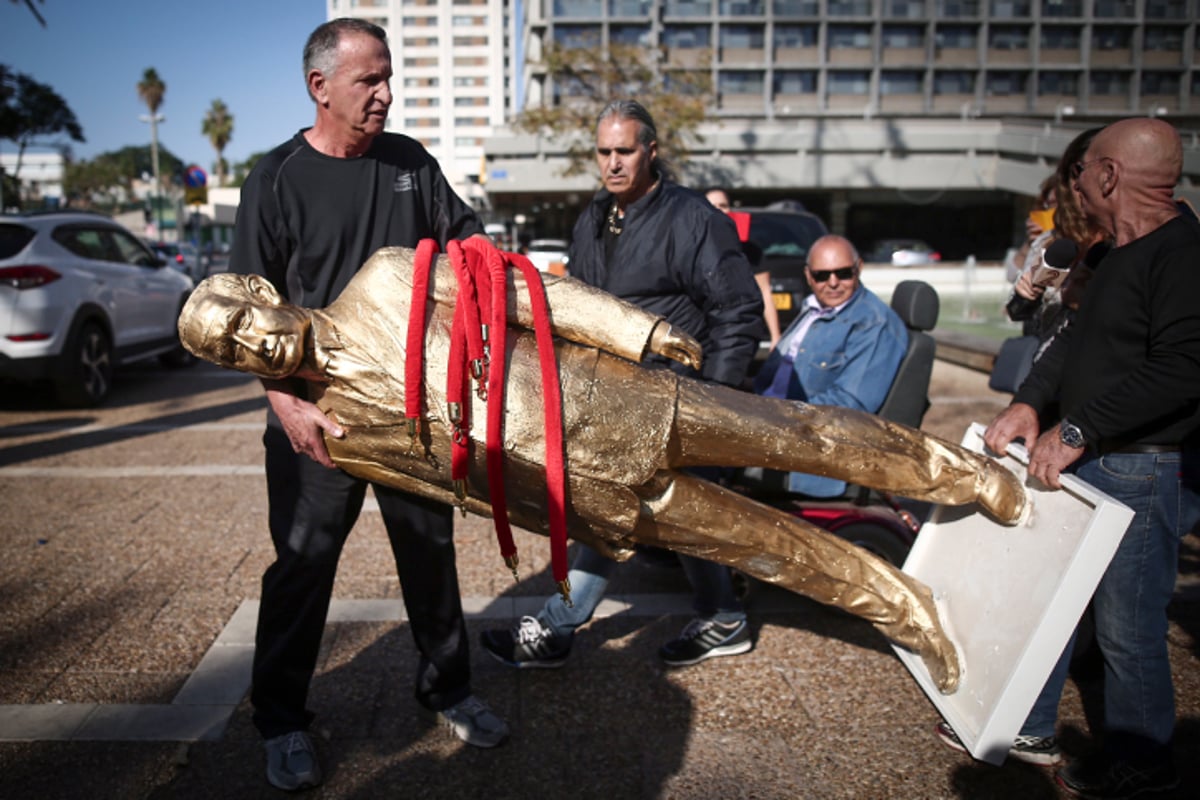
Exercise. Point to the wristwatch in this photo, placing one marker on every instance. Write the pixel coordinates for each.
(1070, 435)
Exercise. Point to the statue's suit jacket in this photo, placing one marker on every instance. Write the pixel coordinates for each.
(617, 414)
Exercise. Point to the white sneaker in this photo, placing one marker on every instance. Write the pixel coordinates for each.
(475, 723)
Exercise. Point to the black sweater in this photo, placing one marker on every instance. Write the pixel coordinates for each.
(1127, 370)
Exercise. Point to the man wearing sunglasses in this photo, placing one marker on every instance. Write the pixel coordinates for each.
(842, 350)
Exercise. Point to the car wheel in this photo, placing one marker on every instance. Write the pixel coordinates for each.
(875, 539)
(86, 377)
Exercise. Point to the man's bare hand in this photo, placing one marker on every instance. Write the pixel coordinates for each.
(304, 425)
(1018, 421)
(1049, 457)
(675, 345)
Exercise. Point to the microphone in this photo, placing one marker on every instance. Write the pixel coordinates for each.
(1057, 260)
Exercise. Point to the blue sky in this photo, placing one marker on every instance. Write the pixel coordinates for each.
(246, 53)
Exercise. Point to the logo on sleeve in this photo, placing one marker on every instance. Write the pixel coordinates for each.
(403, 183)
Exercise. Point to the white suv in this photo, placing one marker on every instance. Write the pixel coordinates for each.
(80, 295)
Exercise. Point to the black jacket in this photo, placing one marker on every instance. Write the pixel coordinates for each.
(680, 258)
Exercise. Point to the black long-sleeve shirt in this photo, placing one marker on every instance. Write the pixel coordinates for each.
(1127, 369)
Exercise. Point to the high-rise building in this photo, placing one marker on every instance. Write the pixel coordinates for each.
(876, 114)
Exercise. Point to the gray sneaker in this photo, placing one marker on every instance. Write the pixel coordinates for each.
(292, 762)
(475, 723)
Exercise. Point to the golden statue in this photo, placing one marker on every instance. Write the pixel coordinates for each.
(627, 431)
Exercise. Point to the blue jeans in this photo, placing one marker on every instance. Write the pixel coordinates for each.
(711, 582)
(1130, 603)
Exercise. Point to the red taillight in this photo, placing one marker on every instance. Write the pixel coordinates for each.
(179, 258)
(27, 277)
(936, 256)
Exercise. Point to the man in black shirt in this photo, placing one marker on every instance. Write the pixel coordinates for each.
(312, 212)
(1126, 373)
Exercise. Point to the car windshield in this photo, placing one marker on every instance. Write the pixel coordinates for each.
(784, 239)
(784, 234)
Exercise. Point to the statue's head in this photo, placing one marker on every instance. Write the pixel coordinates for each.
(241, 322)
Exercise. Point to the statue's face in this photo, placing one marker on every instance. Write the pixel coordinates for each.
(253, 332)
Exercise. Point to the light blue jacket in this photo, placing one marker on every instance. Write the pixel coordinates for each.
(849, 359)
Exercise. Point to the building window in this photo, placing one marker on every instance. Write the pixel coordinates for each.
(1008, 37)
(686, 36)
(460, 102)
(849, 82)
(1108, 83)
(1112, 38)
(741, 8)
(1163, 40)
(1160, 83)
(1058, 83)
(1062, 8)
(956, 37)
(850, 36)
(368, 3)
(741, 83)
(958, 9)
(577, 35)
(420, 41)
(795, 82)
(1115, 9)
(908, 36)
(955, 82)
(469, 41)
(464, 81)
(418, 22)
(851, 8)
(742, 36)
(796, 36)
(423, 61)
(1006, 83)
(422, 102)
(796, 8)
(635, 35)
(466, 122)
(420, 83)
(1008, 9)
(904, 9)
(430, 142)
(1061, 38)
(901, 82)
(468, 141)
(578, 8)
(689, 8)
(470, 61)
(1166, 9)
(629, 8)
(679, 82)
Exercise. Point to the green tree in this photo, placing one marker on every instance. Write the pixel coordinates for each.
(28, 111)
(588, 78)
(151, 91)
(218, 127)
(106, 182)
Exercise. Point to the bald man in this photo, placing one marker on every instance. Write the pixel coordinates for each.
(1126, 373)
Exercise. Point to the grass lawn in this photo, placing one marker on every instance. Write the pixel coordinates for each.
(984, 317)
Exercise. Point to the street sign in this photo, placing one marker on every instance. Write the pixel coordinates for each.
(195, 177)
(195, 181)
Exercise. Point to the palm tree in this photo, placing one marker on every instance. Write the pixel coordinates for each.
(151, 90)
(218, 127)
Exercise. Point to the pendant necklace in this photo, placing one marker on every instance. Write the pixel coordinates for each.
(614, 225)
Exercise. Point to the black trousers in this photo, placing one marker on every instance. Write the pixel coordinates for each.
(312, 510)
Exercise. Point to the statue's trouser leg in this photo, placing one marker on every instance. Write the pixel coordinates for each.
(693, 516)
(715, 425)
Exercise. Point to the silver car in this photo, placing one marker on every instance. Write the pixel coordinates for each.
(80, 295)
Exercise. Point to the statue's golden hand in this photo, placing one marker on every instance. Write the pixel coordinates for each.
(675, 345)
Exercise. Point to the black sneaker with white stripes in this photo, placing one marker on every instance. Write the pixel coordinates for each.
(1041, 750)
(707, 638)
(527, 645)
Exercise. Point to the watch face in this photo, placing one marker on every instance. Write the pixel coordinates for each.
(1070, 435)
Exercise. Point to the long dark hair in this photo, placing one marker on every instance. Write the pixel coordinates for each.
(647, 132)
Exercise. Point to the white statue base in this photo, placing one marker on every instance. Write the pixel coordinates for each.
(1010, 597)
